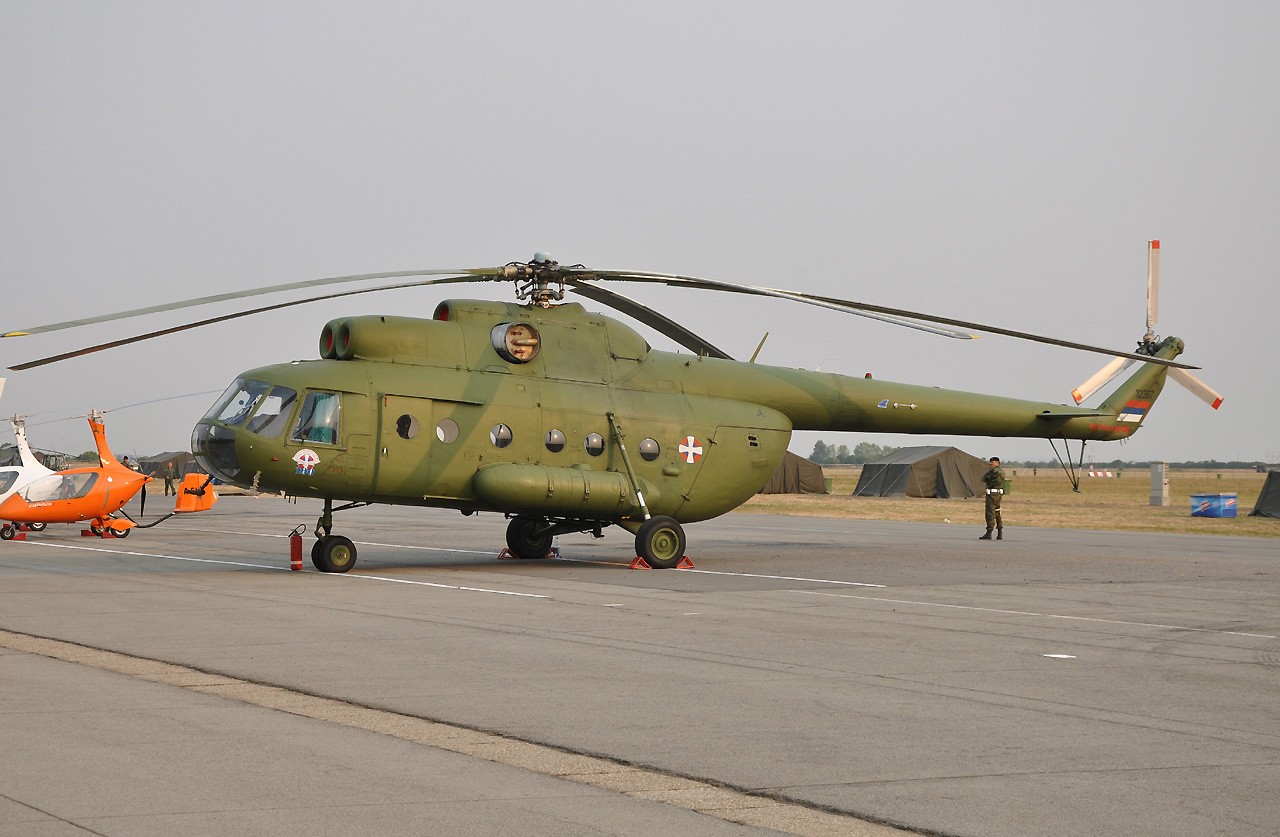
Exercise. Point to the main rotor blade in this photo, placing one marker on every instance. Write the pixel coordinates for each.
(479, 274)
(897, 316)
(871, 312)
(649, 317)
(32, 364)
(1197, 387)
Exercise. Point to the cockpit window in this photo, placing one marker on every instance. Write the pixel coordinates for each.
(318, 419)
(59, 487)
(7, 479)
(238, 401)
(516, 342)
(273, 412)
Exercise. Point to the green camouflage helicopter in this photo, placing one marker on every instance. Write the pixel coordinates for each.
(568, 421)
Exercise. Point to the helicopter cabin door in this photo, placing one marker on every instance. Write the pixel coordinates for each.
(404, 446)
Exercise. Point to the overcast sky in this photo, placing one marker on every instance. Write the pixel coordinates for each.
(998, 162)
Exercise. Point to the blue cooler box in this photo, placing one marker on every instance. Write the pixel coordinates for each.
(1213, 505)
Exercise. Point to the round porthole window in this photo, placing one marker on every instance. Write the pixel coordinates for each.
(555, 441)
(447, 431)
(500, 435)
(406, 426)
(649, 450)
(595, 444)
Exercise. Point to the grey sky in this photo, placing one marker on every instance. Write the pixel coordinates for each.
(1000, 162)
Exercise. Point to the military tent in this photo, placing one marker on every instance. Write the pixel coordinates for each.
(930, 471)
(1268, 504)
(796, 475)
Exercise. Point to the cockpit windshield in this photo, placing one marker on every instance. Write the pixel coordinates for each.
(59, 487)
(272, 413)
(238, 401)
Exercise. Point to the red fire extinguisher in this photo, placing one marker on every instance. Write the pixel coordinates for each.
(295, 548)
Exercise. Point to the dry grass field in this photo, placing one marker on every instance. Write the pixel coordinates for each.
(1046, 499)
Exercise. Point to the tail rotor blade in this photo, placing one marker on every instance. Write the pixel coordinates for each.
(1098, 381)
(1197, 387)
(1153, 285)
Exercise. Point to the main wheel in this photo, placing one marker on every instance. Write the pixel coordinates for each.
(8, 531)
(333, 554)
(120, 533)
(526, 537)
(37, 527)
(660, 542)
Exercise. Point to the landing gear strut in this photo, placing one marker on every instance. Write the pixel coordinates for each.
(660, 542)
(332, 553)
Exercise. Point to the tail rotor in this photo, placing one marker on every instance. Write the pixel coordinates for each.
(1148, 345)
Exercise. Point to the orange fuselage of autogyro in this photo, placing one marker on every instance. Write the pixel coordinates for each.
(76, 494)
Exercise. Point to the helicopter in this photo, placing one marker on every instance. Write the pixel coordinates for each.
(95, 494)
(568, 421)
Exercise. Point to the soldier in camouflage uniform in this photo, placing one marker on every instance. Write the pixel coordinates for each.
(994, 481)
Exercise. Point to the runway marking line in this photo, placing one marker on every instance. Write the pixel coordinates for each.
(728, 804)
(1039, 615)
(363, 576)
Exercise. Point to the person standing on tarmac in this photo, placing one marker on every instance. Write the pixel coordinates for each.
(994, 481)
(169, 472)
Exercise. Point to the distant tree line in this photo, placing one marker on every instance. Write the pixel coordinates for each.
(825, 454)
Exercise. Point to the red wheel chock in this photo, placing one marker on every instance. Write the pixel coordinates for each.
(507, 555)
(640, 564)
(19, 536)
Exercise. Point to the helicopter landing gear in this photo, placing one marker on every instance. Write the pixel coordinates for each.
(333, 554)
(529, 537)
(660, 542)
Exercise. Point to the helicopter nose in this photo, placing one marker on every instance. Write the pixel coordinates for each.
(214, 447)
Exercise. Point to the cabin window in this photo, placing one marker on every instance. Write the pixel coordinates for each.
(447, 431)
(406, 426)
(273, 413)
(516, 342)
(500, 435)
(7, 480)
(650, 450)
(318, 419)
(555, 441)
(595, 444)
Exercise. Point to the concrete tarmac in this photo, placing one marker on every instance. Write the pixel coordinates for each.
(809, 676)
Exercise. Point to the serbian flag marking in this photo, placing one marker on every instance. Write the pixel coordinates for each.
(1134, 411)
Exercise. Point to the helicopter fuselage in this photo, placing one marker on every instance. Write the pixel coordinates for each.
(561, 413)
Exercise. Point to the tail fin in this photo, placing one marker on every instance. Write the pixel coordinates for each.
(105, 456)
(1131, 402)
(195, 494)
